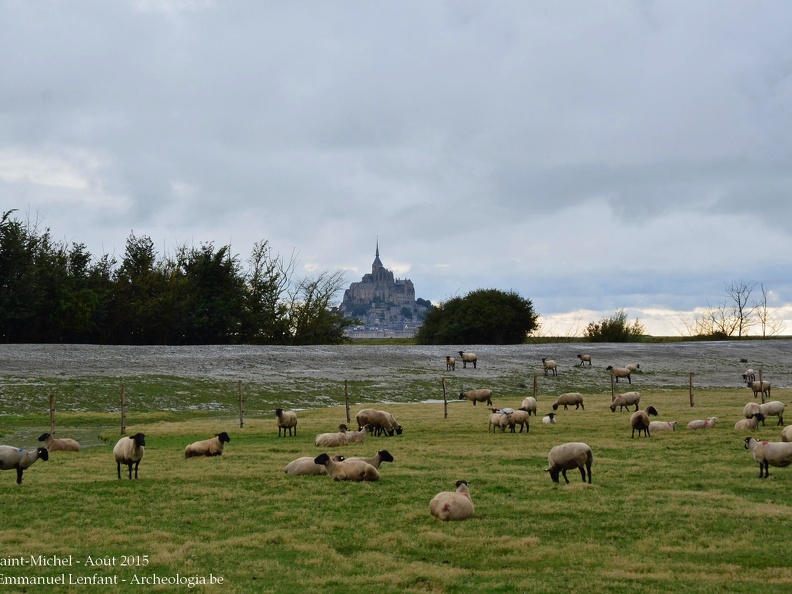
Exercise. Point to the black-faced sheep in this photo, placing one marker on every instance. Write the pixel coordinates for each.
(569, 399)
(480, 395)
(468, 358)
(774, 408)
(129, 450)
(618, 372)
(655, 426)
(549, 365)
(625, 400)
(63, 444)
(568, 456)
(762, 387)
(584, 359)
(307, 466)
(549, 419)
(12, 458)
(452, 505)
(450, 363)
(769, 453)
(208, 447)
(332, 440)
(354, 470)
(640, 420)
(749, 375)
(703, 423)
(286, 420)
(377, 459)
(750, 424)
(529, 405)
(379, 420)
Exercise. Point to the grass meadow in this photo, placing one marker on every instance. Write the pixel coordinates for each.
(681, 512)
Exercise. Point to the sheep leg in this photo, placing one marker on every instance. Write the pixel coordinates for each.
(136, 469)
(118, 464)
(588, 467)
(19, 476)
(563, 471)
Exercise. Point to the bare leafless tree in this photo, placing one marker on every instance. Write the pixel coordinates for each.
(770, 324)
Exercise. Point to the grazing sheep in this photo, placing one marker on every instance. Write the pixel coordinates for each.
(640, 421)
(358, 436)
(208, 447)
(129, 450)
(19, 459)
(453, 505)
(379, 421)
(584, 359)
(749, 375)
(549, 365)
(786, 433)
(355, 470)
(519, 417)
(480, 395)
(568, 399)
(751, 424)
(332, 440)
(568, 456)
(625, 400)
(307, 466)
(529, 405)
(773, 408)
(633, 367)
(769, 453)
(662, 426)
(286, 420)
(703, 423)
(618, 372)
(395, 426)
(377, 459)
(468, 358)
(63, 444)
(450, 363)
(549, 419)
(762, 387)
(498, 418)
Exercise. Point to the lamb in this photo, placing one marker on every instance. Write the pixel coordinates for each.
(767, 453)
(377, 459)
(208, 447)
(498, 418)
(529, 405)
(568, 456)
(618, 372)
(549, 365)
(519, 417)
(19, 459)
(355, 470)
(286, 420)
(568, 399)
(129, 450)
(584, 359)
(63, 444)
(749, 375)
(757, 387)
(751, 424)
(633, 367)
(453, 505)
(703, 423)
(549, 419)
(480, 395)
(625, 400)
(450, 363)
(655, 426)
(307, 466)
(774, 408)
(379, 421)
(468, 358)
(358, 436)
(332, 440)
(786, 433)
(640, 421)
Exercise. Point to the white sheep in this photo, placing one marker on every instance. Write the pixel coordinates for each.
(655, 426)
(208, 447)
(497, 419)
(749, 375)
(786, 433)
(468, 358)
(769, 453)
(584, 359)
(703, 423)
(618, 372)
(774, 408)
(358, 436)
(633, 367)
(355, 470)
(62, 444)
(480, 395)
(762, 387)
(450, 363)
(129, 450)
(519, 417)
(332, 440)
(640, 421)
(377, 459)
(453, 505)
(750, 424)
(19, 459)
(568, 456)
(286, 420)
(568, 399)
(549, 419)
(529, 405)
(307, 466)
(625, 400)
(549, 365)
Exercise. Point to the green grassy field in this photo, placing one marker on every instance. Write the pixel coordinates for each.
(682, 511)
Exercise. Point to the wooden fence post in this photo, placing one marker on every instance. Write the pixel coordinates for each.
(52, 414)
(123, 409)
(690, 387)
(445, 399)
(346, 399)
(534, 386)
(760, 383)
(241, 405)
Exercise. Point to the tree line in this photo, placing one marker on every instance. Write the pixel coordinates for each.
(57, 292)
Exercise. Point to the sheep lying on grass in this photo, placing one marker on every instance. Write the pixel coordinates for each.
(346, 470)
(703, 423)
(208, 447)
(63, 444)
(584, 359)
(625, 400)
(786, 433)
(662, 426)
(129, 450)
(549, 419)
(286, 420)
(358, 436)
(769, 453)
(377, 459)
(332, 440)
(468, 358)
(569, 399)
(12, 458)
(618, 372)
(480, 395)
(453, 505)
(640, 421)
(568, 456)
(529, 405)
(307, 466)
(549, 365)
(751, 423)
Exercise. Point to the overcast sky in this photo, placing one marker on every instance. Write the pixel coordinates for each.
(589, 155)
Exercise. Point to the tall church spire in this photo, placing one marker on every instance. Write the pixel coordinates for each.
(377, 263)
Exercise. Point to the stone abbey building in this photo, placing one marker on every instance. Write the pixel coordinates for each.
(383, 302)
